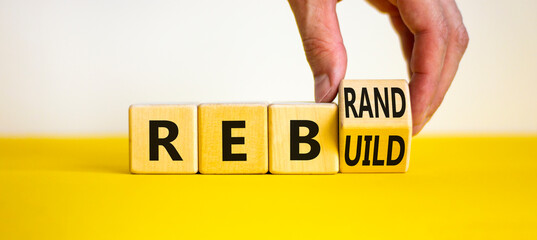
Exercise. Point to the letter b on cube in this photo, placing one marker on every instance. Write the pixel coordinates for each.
(375, 126)
(303, 138)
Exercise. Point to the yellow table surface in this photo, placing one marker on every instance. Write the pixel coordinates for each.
(80, 188)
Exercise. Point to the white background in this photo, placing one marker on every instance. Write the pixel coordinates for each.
(74, 67)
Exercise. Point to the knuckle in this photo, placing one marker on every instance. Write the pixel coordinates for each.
(438, 31)
(461, 36)
(443, 31)
(316, 46)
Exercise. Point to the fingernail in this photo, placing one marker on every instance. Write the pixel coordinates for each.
(417, 129)
(322, 87)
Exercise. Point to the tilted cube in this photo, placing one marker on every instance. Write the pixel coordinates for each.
(375, 126)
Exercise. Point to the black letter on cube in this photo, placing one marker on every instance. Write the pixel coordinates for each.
(155, 141)
(401, 142)
(296, 139)
(349, 101)
(400, 113)
(228, 140)
(348, 160)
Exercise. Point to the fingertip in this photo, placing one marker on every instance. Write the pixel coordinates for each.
(326, 95)
(419, 125)
(322, 87)
(325, 89)
(418, 118)
(417, 129)
(327, 85)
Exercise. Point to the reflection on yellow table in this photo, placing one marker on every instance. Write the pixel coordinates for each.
(456, 187)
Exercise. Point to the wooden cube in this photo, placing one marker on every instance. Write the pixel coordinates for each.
(375, 126)
(233, 138)
(303, 138)
(163, 138)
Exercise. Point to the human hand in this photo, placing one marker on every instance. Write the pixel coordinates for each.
(433, 39)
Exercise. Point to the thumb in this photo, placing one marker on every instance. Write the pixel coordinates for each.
(319, 28)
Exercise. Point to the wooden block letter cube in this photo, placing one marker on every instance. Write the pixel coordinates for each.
(163, 138)
(303, 138)
(375, 126)
(233, 138)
